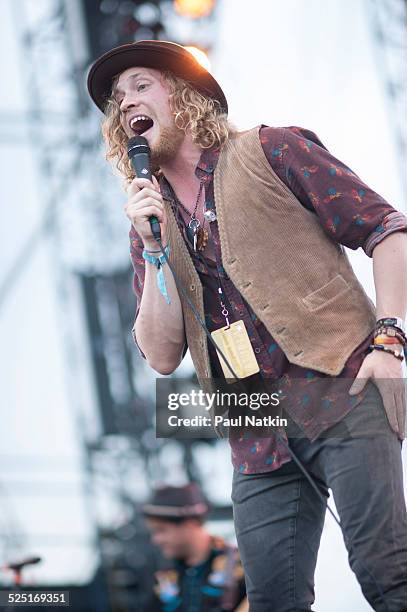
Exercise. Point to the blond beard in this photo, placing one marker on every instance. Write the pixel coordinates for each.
(167, 146)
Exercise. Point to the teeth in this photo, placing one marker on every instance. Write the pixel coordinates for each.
(138, 118)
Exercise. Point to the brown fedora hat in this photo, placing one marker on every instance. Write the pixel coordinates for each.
(158, 54)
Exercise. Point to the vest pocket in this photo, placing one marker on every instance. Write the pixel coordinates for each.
(335, 287)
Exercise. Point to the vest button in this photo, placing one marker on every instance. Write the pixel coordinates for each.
(257, 350)
(192, 287)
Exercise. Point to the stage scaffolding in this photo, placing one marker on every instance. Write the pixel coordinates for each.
(389, 30)
(113, 408)
(92, 271)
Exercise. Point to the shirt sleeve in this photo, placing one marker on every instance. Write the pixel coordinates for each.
(136, 255)
(350, 212)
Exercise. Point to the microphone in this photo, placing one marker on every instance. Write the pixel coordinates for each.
(139, 155)
(18, 566)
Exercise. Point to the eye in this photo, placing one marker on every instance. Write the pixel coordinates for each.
(141, 85)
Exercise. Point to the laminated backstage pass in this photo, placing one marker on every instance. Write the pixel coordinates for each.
(234, 342)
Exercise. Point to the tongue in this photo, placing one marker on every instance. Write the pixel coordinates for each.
(142, 126)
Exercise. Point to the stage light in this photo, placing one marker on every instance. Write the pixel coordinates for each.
(148, 14)
(200, 56)
(194, 8)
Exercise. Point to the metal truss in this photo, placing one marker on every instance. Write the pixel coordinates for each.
(389, 23)
(59, 130)
(89, 238)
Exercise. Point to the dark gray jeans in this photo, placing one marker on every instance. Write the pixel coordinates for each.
(279, 517)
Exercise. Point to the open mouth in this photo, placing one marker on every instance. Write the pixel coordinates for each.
(140, 124)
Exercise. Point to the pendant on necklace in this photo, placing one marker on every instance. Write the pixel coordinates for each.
(210, 215)
(194, 227)
(197, 235)
(202, 239)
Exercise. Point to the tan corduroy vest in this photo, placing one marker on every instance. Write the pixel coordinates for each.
(297, 280)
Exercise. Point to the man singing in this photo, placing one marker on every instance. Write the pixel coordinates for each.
(254, 225)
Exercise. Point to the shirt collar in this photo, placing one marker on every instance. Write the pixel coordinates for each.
(204, 169)
(207, 161)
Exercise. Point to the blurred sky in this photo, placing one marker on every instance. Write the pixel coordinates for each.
(281, 62)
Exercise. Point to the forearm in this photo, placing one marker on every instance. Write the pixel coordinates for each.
(159, 327)
(390, 276)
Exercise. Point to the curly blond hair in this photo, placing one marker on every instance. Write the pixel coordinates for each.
(203, 116)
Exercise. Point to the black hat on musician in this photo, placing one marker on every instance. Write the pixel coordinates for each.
(177, 503)
(158, 54)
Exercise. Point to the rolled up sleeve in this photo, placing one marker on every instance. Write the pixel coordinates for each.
(349, 210)
(393, 222)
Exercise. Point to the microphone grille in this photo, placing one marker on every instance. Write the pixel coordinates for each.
(137, 144)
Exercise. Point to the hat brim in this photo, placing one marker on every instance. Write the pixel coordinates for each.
(160, 55)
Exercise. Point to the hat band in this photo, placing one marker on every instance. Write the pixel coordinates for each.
(175, 510)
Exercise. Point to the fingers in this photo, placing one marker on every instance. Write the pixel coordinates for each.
(394, 404)
(156, 185)
(145, 192)
(386, 391)
(397, 391)
(141, 214)
(145, 201)
(139, 183)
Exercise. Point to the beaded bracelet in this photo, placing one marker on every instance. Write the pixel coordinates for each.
(383, 339)
(391, 332)
(392, 322)
(381, 347)
(393, 328)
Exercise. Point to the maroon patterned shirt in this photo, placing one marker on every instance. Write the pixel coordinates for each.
(350, 212)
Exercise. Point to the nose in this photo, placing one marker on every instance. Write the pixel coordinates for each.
(127, 103)
(129, 100)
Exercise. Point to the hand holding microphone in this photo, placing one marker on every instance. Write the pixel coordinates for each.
(145, 207)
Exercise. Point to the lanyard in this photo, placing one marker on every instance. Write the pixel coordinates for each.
(221, 295)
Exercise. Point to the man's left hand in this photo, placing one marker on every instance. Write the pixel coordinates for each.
(386, 371)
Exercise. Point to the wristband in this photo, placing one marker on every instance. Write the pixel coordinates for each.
(392, 322)
(383, 339)
(158, 262)
(386, 349)
(391, 332)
